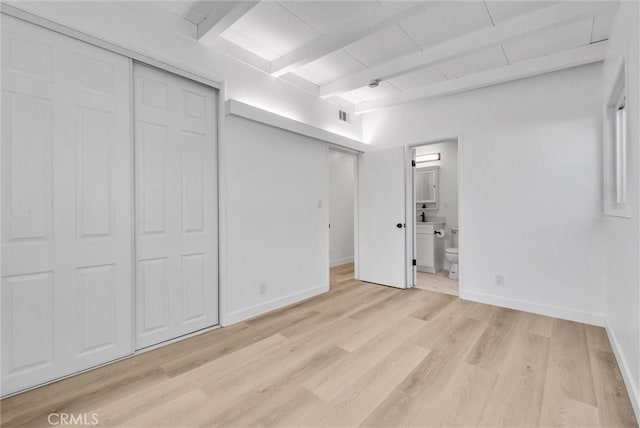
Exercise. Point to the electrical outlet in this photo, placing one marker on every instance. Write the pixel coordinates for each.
(263, 288)
(499, 280)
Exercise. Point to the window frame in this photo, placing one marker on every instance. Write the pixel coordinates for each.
(616, 171)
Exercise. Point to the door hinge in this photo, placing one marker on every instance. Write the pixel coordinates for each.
(415, 262)
(413, 163)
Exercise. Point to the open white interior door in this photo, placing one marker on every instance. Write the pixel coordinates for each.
(382, 217)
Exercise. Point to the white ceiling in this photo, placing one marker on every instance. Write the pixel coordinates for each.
(554, 39)
(362, 36)
(446, 20)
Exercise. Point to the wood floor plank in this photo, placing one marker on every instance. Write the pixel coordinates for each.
(330, 382)
(459, 402)
(116, 412)
(288, 409)
(569, 374)
(404, 406)
(434, 304)
(492, 347)
(597, 338)
(169, 414)
(517, 397)
(314, 321)
(38, 412)
(233, 383)
(355, 403)
(440, 325)
(369, 297)
(614, 407)
(535, 324)
(367, 331)
(207, 354)
(235, 400)
(394, 306)
(481, 312)
(582, 415)
(462, 400)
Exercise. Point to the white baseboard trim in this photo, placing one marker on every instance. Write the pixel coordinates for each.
(632, 387)
(339, 262)
(536, 308)
(271, 305)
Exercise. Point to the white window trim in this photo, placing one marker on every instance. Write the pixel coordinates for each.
(616, 200)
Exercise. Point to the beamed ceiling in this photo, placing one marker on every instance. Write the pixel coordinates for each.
(333, 49)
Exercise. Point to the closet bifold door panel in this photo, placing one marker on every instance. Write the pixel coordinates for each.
(67, 185)
(176, 206)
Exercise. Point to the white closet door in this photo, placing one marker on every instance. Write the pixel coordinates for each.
(66, 206)
(176, 206)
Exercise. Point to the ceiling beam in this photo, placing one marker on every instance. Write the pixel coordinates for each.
(540, 65)
(551, 16)
(257, 114)
(375, 19)
(223, 16)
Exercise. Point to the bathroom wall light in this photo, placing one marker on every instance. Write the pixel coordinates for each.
(431, 157)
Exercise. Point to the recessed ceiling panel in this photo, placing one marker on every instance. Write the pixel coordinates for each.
(366, 93)
(326, 16)
(330, 67)
(502, 11)
(249, 44)
(382, 46)
(445, 20)
(192, 11)
(418, 78)
(474, 63)
(552, 40)
(271, 27)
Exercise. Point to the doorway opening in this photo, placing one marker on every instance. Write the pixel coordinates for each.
(342, 191)
(435, 213)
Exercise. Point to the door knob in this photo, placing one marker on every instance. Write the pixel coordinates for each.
(399, 225)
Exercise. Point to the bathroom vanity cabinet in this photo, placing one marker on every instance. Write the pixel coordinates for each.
(429, 248)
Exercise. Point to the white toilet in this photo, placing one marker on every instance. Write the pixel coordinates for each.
(452, 254)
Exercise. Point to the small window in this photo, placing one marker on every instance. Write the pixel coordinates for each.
(621, 151)
(615, 167)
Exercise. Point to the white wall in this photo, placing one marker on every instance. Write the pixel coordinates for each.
(531, 205)
(114, 22)
(276, 218)
(623, 235)
(341, 207)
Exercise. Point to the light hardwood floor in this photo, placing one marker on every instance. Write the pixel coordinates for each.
(361, 354)
(438, 282)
